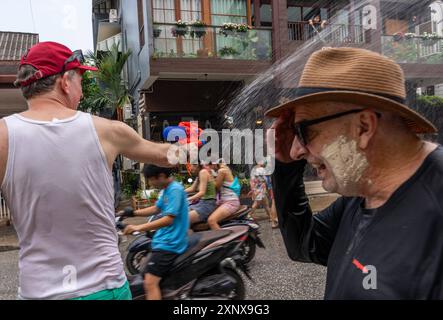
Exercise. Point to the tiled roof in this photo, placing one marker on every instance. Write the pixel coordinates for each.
(14, 44)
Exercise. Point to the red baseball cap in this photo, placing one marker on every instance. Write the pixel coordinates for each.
(51, 58)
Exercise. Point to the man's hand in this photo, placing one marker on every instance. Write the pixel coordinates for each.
(284, 136)
(130, 229)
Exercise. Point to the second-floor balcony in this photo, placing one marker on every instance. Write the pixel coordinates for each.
(106, 44)
(331, 33)
(413, 49)
(211, 42)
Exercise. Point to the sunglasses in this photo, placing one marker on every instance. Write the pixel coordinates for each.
(300, 129)
(76, 55)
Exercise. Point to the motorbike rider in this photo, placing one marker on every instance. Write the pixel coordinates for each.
(170, 239)
(228, 187)
(203, 203)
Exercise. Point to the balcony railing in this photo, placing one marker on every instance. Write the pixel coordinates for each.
(413, 50)
(209, 42)
(332, 33)
(106, 44)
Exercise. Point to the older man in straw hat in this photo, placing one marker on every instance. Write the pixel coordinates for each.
(384, 238)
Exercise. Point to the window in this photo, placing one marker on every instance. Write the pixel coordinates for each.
(264, 14)
(163, 11)
(104, 6)
(141, 23)
(228, 11)
(190, 10)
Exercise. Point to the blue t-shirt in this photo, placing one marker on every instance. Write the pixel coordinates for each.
(173, 202)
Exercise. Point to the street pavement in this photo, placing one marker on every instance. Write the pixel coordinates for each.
(275, 275)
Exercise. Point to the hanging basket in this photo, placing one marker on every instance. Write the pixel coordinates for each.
(157, 32)
(198, 32)
(179, 31)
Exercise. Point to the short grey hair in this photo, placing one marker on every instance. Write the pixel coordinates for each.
(38, 87)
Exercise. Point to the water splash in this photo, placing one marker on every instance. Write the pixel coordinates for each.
(278, 83)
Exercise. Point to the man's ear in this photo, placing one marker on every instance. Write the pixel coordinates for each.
(64, 82)
(366, 127)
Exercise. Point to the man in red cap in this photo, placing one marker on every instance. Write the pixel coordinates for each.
(55, 164)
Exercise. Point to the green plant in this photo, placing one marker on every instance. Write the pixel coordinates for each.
(230, 28)
(228, 51)
(91, 91)
(243, 28)
(156, 31)
(154, 195)
(130, 184)
(433, 101)
(111, 92)
(180, 29)
(429, 36)
(198, 29)
(401, 51)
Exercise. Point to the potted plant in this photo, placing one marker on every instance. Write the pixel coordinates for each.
(228, 28)
(429, 39)
(242, 28)
(228, 52)
(198, 29)
(156, 31)
(410, 35)
(180, 29)
(153, 197)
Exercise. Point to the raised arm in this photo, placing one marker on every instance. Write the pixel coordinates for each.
(307, 237)
(220, 179)
(203, 177)
(117, 138)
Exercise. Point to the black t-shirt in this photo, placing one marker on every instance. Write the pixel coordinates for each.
(399, 243)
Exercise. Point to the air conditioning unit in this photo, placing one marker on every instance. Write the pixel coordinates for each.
(113, 16)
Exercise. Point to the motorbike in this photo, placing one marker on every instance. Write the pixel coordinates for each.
(140, 247)
(209, 269)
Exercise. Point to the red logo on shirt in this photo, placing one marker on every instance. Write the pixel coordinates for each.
(359, 265)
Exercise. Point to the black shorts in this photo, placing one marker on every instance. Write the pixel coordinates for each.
(160, 262)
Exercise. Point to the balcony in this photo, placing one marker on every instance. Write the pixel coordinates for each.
(413, 49)
(105, 45)
(211, 43)
(332, 33)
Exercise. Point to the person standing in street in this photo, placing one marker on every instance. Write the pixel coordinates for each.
(55, 166)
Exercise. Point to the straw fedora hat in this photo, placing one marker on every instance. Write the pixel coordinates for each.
(357, 76)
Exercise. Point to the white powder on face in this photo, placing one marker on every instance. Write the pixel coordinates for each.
(346, 162)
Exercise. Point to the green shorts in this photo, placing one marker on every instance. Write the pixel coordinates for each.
(122, 293)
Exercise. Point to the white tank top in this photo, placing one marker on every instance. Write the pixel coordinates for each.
(60, 192)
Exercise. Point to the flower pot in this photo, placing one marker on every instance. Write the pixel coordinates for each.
(198, 32)
(227, 32)
(179, 31)
(202, 53)
(157, 32)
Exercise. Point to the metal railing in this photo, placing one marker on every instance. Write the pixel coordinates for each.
(211, 42)
(413, 50)
(5, 214)
(332, 33)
